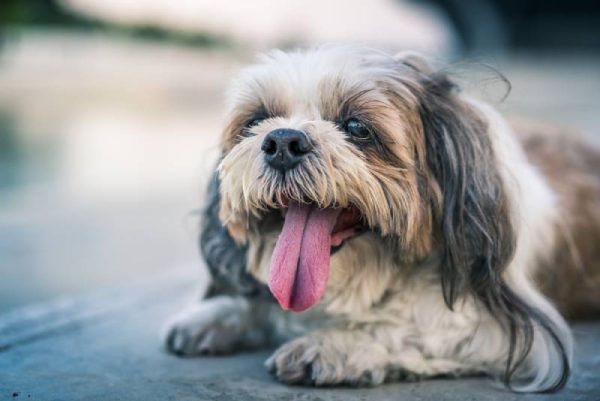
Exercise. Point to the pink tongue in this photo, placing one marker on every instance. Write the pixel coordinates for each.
(300, 261)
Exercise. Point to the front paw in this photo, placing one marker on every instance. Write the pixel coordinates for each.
(328, 359)
(214, 326)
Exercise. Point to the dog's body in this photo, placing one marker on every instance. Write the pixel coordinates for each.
(446, 224)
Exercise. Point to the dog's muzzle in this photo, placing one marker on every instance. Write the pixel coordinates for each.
(284, 148)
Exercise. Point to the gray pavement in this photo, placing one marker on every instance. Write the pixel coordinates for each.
(105, 346)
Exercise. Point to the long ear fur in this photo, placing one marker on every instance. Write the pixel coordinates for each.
(226, 260)
(476, 238)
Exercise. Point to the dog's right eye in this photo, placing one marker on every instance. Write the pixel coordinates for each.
(254, 121)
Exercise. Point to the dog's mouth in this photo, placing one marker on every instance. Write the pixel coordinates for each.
(300, 261)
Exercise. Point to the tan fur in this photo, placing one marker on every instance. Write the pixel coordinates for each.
(570, 275)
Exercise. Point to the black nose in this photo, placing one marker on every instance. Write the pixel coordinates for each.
(284, 148)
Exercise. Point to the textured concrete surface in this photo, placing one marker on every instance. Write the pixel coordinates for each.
(106, 346)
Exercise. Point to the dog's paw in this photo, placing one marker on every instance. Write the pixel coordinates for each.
(214, 326)
(322, 360)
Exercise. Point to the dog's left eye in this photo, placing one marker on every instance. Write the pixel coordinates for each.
(357, 129)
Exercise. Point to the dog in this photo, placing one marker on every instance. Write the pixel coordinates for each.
(379, 224)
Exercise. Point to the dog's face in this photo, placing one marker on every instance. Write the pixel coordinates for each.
(341, 158)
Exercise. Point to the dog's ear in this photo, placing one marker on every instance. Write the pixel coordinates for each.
(471, 212)
(225, 258)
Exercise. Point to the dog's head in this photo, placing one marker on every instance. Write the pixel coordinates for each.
(339, 164)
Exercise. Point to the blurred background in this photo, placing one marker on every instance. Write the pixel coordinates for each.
(110, 110)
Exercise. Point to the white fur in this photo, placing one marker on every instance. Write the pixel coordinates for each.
(217, 325)
(536, 218)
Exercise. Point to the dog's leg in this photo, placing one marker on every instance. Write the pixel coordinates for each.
(218, 325)
(330, 357)
(357, 357)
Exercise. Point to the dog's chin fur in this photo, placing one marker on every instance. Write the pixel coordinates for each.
(463, 225)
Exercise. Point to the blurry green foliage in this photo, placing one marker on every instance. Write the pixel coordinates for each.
(18, 14)
(39, 12)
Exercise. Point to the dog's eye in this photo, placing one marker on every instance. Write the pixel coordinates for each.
(252, 122)
(357, 129)
(255, 121)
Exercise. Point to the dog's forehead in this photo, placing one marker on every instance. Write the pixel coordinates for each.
(308, 80)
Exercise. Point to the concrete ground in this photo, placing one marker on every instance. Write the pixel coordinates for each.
(105, 346)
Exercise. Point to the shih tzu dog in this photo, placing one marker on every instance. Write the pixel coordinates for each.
(381, 225)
